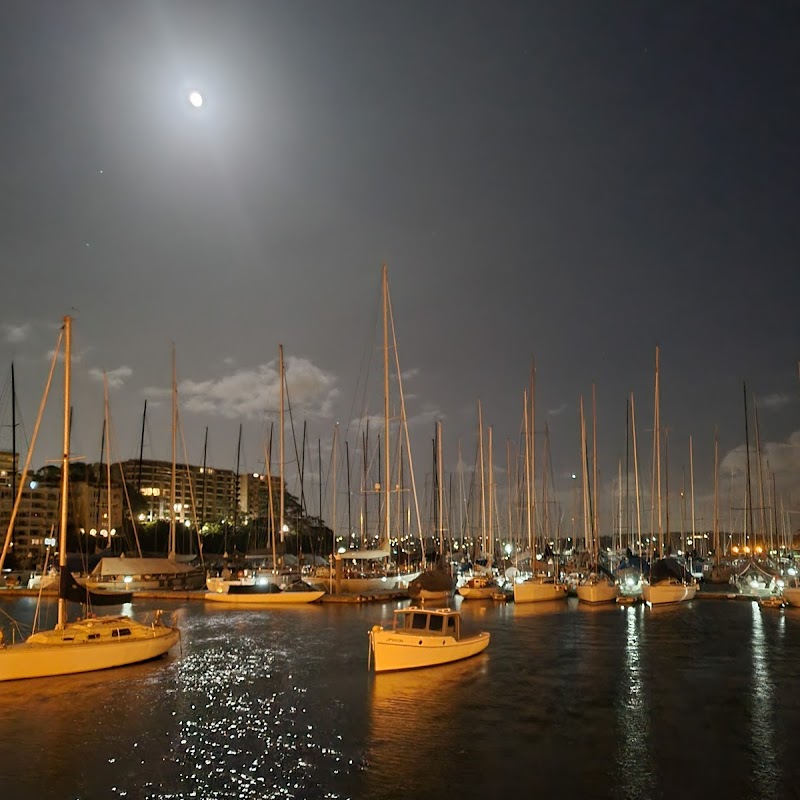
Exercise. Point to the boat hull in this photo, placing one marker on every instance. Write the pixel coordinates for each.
(663, 593)
(393, 650)
(70, 650)
(792, 596)
(478, 593)
(265, 599)
(598, 592)
(535, 592)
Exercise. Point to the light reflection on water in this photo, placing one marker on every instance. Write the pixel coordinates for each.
(608, 701)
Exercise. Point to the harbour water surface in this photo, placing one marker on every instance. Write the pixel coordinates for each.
(699, 700)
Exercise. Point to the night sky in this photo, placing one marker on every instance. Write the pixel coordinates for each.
(571, 182)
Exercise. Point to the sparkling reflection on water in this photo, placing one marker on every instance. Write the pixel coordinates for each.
(614, 702)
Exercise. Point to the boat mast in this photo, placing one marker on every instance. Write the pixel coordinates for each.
(13, 435)
(636, 482)
(237, 485)
(107, 435)
(531, 542)
(532, 487)
(62, 537)
(587, 542)
(595, 507)
(440, 508)
(280, 442)
(333, 504)
(749, 499)
(691, 486)
(173, 510)
(483, 485)
(141, 450)
(387, 464)
(490, 475)
(657, 436)
(716, 497)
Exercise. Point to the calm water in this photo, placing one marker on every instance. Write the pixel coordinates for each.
(698, 700)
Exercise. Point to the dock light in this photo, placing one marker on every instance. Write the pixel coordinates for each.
(128, 579)
(262, 581)
(508, 548)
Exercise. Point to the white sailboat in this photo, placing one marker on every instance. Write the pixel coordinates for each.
(267, 592)
(89, 644)
(667, 582)
(595, 587)
(155, 573)
(539, 587)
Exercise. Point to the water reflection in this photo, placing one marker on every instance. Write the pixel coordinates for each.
(766, 769)
(412, 732)
(633, 715)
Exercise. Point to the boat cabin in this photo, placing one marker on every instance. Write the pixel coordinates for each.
(431, 622)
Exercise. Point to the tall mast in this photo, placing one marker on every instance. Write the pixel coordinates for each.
(13, 434)
(528, 522)
(716, 497)
(333, 504)
(280, 441)
(483, 485)
(595, 507)
(588, 541)
(691, 483)
(749, 503)
(205, 480)
(173, 510)
(141, 449)
(107, 435)
(636, 481)
(387, 465)
(762, 508)
(62, 537)
(657, 435)
(532, 487)
(440, 509)
(237, 485)
(490, 474)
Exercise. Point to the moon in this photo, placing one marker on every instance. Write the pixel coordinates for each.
(195, 98)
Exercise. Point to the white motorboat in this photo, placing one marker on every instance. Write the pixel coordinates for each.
(422, 637)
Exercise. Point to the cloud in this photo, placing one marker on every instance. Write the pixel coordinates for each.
(408, 374)
(772, 402)
(16, 333)
(116, 377)
(783, 458)
(251, 393)
(554, 412)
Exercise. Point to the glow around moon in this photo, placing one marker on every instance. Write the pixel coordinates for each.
(195, 98)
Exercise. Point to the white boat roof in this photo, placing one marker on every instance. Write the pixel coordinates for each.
(139, 566)
(439, 612)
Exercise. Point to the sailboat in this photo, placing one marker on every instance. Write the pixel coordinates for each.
(539, 587)
(482, 585)
(267, 592)
(596, 586)
(668, 582)
(89, 644)
(435, 584)
(137, 573)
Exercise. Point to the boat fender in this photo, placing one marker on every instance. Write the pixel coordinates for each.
(377, 628)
